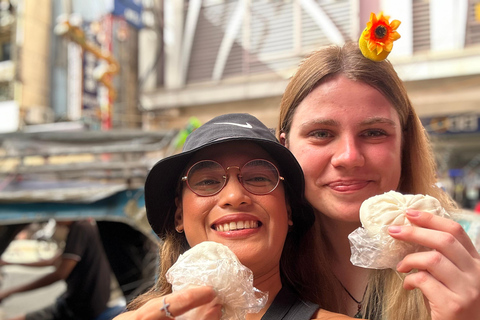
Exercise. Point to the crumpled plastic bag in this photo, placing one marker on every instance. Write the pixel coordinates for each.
(371, 246)
(214, 264)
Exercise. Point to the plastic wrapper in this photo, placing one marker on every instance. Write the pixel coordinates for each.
(214, 264)
(371, 246)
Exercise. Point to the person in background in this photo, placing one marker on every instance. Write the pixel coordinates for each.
(84, 267)
(234, 184)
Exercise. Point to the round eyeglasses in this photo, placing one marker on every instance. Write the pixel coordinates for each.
(207, 177)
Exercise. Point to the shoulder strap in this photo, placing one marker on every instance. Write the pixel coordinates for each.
(288, 306)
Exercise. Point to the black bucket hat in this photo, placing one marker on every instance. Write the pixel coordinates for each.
(161, 182)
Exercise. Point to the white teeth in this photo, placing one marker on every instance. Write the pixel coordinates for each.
(239, 225)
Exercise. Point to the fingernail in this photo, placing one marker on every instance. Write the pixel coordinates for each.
(413, 213)
(394, 229)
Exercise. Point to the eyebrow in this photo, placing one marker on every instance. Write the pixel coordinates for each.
(374, 120)
(368, 121)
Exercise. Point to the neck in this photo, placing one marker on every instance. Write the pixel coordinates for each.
(269, 282)
(353, 278)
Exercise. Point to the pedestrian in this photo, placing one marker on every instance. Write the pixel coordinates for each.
(84, 267)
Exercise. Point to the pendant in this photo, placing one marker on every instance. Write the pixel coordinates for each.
(358, 315)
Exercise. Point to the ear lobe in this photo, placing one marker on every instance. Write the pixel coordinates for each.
(289, 212)
(283, 139)
(178, 215)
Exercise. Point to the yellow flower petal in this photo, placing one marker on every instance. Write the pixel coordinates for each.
(379, 49)
(394, 36)
(395, 24)
(389, 46)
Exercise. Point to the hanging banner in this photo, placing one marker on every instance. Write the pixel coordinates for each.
(131, 10)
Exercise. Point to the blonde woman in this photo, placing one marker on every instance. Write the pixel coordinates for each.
(350, 124)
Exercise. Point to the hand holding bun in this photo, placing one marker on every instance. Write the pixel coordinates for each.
(214, 264)
(371, 245)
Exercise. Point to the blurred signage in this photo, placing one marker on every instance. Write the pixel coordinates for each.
(477, 12)
(452, 124)
(9, 116)
(131, 10)
(90, 62)
(74, 85)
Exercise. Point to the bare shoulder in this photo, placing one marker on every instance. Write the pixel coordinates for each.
(327, 315)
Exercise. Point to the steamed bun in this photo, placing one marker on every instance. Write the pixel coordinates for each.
(389, 209)
(214, 264)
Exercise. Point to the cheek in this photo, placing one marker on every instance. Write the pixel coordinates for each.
(195, 210)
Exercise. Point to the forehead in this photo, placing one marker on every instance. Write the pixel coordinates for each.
(338, 96)
(232, 153)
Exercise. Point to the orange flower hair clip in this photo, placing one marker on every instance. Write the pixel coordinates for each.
(376, 41)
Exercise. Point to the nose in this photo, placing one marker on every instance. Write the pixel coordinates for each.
(347, 153)
(233, 193)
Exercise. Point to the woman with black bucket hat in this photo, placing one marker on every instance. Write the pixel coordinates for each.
(253, 203)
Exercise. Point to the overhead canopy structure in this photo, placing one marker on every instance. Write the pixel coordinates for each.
(74, 175)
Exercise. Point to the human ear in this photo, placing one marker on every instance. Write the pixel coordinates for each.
(283, 139)
(289, 213)
(178, 216)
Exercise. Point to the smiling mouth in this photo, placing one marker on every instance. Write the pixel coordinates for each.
(238, 225)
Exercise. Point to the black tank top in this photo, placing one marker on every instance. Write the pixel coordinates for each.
(287, 305)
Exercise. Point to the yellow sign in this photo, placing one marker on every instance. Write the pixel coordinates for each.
(477, 11)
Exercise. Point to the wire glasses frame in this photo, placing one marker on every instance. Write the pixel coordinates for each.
(207, 177)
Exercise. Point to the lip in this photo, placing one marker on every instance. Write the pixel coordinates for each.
(348, 185)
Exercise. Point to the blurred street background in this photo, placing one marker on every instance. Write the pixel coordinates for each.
(94, 92)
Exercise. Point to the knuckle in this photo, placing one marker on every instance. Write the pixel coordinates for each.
(184, 298)
(447, 239)
(456, 307)
(456, 228)
(420, 277)
(474, 294)
(435, 258)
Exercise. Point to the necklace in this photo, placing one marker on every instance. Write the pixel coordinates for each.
(358, 315)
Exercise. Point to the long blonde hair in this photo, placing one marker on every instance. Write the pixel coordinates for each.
(418, 166)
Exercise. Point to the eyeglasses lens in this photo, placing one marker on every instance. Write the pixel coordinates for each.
(208, 177)
(259, 177)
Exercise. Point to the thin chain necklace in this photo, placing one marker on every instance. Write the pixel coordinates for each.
(358, 315)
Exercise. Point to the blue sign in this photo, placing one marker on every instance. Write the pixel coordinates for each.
(131, 10)
(452, 124)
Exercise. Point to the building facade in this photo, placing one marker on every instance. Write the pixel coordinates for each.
(220, 56)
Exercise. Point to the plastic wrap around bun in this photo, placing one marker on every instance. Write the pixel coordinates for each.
(214, 264)
(371, 245)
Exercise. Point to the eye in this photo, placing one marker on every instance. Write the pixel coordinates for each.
(257, 180)
(205, 183)
(373, 133)
(321, 134)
